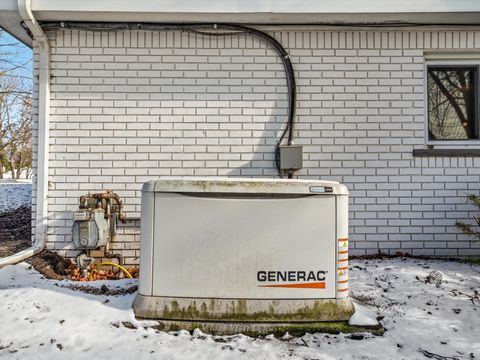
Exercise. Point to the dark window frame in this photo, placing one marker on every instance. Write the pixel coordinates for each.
(476, 108)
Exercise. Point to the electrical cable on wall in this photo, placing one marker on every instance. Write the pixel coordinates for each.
(201, 29)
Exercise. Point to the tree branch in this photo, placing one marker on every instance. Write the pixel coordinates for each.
(449, 96)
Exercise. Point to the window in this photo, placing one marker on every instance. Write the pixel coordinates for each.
(453, 102)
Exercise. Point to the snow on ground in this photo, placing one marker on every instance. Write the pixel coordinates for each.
(41, 319)
(23, 175)
(14, 194)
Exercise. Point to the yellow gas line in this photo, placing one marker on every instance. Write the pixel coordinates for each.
(125, 271)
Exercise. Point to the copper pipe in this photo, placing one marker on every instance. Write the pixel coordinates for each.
(108, 195)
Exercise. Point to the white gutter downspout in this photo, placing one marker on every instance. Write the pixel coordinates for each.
(25, 10)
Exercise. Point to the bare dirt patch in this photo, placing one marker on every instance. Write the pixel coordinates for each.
(52, 265)
(15, 235)
(15, 230)
(16, 225)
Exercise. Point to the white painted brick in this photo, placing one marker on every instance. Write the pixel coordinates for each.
(137, 105)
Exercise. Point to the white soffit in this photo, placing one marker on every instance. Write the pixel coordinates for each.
(10, 20)
(258, 6)
(259, 11)
(264, 12)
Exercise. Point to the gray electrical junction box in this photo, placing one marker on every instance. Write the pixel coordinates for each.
(291, 157)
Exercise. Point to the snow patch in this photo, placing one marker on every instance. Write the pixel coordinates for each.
(363, 317)
(14, 195)
(43, 319)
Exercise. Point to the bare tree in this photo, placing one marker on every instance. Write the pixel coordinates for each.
(451, 103)
(15, 109)
(13, 65)
(9, 100)
(19, 149)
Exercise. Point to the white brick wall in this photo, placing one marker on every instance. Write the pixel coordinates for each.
(129, 106)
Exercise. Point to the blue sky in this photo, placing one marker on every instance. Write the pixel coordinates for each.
(13, 52)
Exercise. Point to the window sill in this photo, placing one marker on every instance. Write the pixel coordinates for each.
(446, 152)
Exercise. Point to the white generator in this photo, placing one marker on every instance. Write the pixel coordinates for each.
(231, 255)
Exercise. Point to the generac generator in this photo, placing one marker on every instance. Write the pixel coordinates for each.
(243, 255)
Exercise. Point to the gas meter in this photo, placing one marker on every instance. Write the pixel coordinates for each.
(95, 223)
(90, 229)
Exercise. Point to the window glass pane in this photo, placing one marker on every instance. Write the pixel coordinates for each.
(451, 103)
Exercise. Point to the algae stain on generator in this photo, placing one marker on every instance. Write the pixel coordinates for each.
(244, 255)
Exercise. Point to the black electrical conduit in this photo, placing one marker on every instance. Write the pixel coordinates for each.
(232, 29)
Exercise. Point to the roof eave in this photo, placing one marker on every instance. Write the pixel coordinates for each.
(11, 21)
(252, 12)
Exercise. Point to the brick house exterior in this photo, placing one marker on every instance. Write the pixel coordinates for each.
(129, 106)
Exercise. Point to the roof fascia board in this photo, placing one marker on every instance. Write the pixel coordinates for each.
(255, 6)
